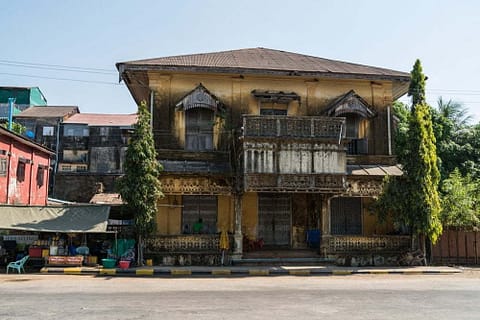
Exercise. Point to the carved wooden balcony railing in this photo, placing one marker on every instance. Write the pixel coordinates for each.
(355, 244)
(294, 182)
(182, 243)
(293, 127)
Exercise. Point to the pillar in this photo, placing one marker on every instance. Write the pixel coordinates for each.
(238, 236)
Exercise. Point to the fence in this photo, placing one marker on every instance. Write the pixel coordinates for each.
(457, 247)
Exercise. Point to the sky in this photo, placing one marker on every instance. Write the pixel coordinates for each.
(69, 48)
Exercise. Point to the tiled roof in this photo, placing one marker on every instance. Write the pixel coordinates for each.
(263, 59)
(102, 119)
(48, 112)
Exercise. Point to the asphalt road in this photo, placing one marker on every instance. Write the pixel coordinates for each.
(75, 297)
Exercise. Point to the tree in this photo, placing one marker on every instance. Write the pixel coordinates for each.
(423, 177)
(416, 89)
(140, 187)
(460, 201)
(16, 127)
(413, 198)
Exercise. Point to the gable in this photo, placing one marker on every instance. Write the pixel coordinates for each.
(199, 97)
(350, 103)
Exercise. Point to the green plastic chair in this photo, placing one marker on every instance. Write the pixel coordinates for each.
(18, 264)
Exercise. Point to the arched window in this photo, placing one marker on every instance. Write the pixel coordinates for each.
(200, 107)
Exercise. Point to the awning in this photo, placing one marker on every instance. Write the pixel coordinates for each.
(374, 170)
(66, 219)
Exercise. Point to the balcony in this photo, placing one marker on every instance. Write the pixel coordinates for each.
(269, 182)
(282, 127)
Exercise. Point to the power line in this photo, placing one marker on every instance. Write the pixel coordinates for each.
(61, 79)
(56, 67)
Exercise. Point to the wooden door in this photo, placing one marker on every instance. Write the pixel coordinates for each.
(274, 219)
(346, 216)
(196, 207)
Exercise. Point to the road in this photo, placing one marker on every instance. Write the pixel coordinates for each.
(75, 297)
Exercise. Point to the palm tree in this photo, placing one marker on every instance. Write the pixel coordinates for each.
(454, 111)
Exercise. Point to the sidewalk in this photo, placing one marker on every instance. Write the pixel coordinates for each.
(243, 271)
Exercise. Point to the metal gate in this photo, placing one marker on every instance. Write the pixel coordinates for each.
(274, 219)
(196, 207)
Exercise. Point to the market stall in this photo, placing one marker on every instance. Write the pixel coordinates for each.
(63, 230)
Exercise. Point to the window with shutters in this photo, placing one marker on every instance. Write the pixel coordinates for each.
(199, 129)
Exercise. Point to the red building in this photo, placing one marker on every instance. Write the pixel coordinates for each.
(24, 170)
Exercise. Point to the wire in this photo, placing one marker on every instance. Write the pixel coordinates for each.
(61, 79)
(56, 67)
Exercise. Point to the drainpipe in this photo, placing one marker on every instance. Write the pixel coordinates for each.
(389, 132)
(55, 167)
(151, 110)
(9, 170)
(11, 101)
(30, 187)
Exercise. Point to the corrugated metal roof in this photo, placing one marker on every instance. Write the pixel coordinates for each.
(99, 119)
(107, 198)
(374, 170)
(48, 112)
(266, 59)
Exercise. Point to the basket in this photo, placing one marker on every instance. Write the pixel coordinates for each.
(109, 263)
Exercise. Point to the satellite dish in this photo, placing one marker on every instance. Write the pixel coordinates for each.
(30, 134)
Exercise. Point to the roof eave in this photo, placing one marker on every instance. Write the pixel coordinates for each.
(122, 67)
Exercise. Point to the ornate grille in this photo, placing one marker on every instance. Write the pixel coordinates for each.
(294, 182)
(339, 244)
(182, 243)
(293, 127)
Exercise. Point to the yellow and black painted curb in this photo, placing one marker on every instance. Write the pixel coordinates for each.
(226, 272)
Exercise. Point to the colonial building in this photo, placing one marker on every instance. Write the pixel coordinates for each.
(91, 153)
(279, 149)
(24, 170)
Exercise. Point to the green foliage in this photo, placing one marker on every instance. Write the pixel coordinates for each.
(423, 176)
(140, 187)
(451, 129)
(16, 127)
(413, 199)
(402, 113)
(460, 201)
(416, 89)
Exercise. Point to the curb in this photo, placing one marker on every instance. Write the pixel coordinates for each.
(229, 272)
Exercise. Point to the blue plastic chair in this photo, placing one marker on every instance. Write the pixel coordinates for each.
(18, 264)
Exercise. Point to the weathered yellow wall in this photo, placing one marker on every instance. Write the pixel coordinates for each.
(225, 214)
(169, 216)
(371, 225)
(250, 215)
(316, 94)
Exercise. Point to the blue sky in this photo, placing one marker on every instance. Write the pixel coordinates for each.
(97, 34)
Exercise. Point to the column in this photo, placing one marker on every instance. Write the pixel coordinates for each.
(238, 236)
(325, 225)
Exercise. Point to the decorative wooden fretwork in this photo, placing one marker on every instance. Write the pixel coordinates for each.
(354, 244)
(183, 243)
(363, 187)
(293, 127)
(294, 182)
(199, 97)
(194, 185)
